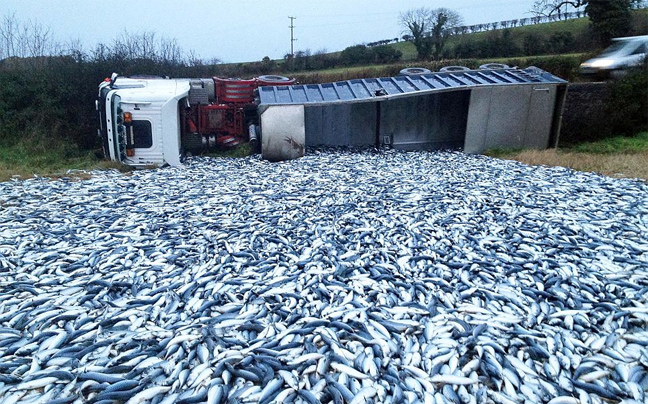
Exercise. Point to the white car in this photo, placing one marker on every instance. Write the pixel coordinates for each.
(613, 62)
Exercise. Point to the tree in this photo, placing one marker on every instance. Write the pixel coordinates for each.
(357, 54)
(533, 44)
(23, 40)
(417, 22)
(386, 54)
(443, 20)
(429, 29)
(609, 18)
(546, 8)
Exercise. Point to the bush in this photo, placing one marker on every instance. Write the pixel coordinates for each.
(629, 103)
(53, 100)
(356, 55)
(595, 111)
(386, 54)
(565, 67)
(561, 42)
(534, 44)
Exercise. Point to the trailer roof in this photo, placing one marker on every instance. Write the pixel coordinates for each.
(372, 88)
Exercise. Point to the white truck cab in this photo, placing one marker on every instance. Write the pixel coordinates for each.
(148, 120)
(136, 117)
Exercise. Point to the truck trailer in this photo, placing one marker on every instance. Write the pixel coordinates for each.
(149, 121)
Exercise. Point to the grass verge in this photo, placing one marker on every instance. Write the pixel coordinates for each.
(619, 157)
(615, 157)
(243, 150)
(23, 161)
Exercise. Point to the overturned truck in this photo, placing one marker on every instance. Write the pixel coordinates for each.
(154, 121)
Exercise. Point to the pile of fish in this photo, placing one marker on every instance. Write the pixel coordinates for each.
(341, 277)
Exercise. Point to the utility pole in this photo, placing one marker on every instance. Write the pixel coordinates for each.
(292, 38)
(292, 42)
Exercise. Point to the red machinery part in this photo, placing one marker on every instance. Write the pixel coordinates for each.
(235, 90)
(242, 91)
(226, 118)
(227, 142)
(220, 119)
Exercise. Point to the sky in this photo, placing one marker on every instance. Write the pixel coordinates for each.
(245, 30)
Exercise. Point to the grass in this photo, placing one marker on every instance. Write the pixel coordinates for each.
(576, 26)
(243, 150)
(625, 157)
(23, 161)
(615, 157)
(386, 69)
(616, 145)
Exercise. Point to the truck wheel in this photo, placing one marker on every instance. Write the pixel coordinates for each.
(494, 66)
(270, 78)
(414, 71)
(454, 69)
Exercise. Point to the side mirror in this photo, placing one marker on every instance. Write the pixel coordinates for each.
(113, 78)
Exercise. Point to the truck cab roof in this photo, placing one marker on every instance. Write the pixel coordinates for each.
(150, 90)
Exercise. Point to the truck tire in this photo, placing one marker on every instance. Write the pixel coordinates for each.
(414, 71)
(449, 69)
(271, 78)
(494, 66)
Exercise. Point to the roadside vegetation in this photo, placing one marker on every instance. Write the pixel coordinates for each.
(620, 156)
(243, 150)
(27, 160)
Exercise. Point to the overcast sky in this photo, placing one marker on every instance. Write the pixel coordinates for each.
(245, 30)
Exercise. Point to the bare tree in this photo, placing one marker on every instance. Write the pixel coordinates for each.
(417, 22)
(546, 8)
(146, 45)
(74, 48)
(26, 40)
(429, 29)
(9, 32)
(170, 51)
(39, 40)
(35, 41)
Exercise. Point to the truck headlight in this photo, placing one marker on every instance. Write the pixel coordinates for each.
(603, 63)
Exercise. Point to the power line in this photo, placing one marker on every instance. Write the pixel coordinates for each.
(395, 12)
(356, 22)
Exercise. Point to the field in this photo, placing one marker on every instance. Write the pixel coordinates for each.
(576, 26)
(351, 72)
(615, 157)
(25, 160)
